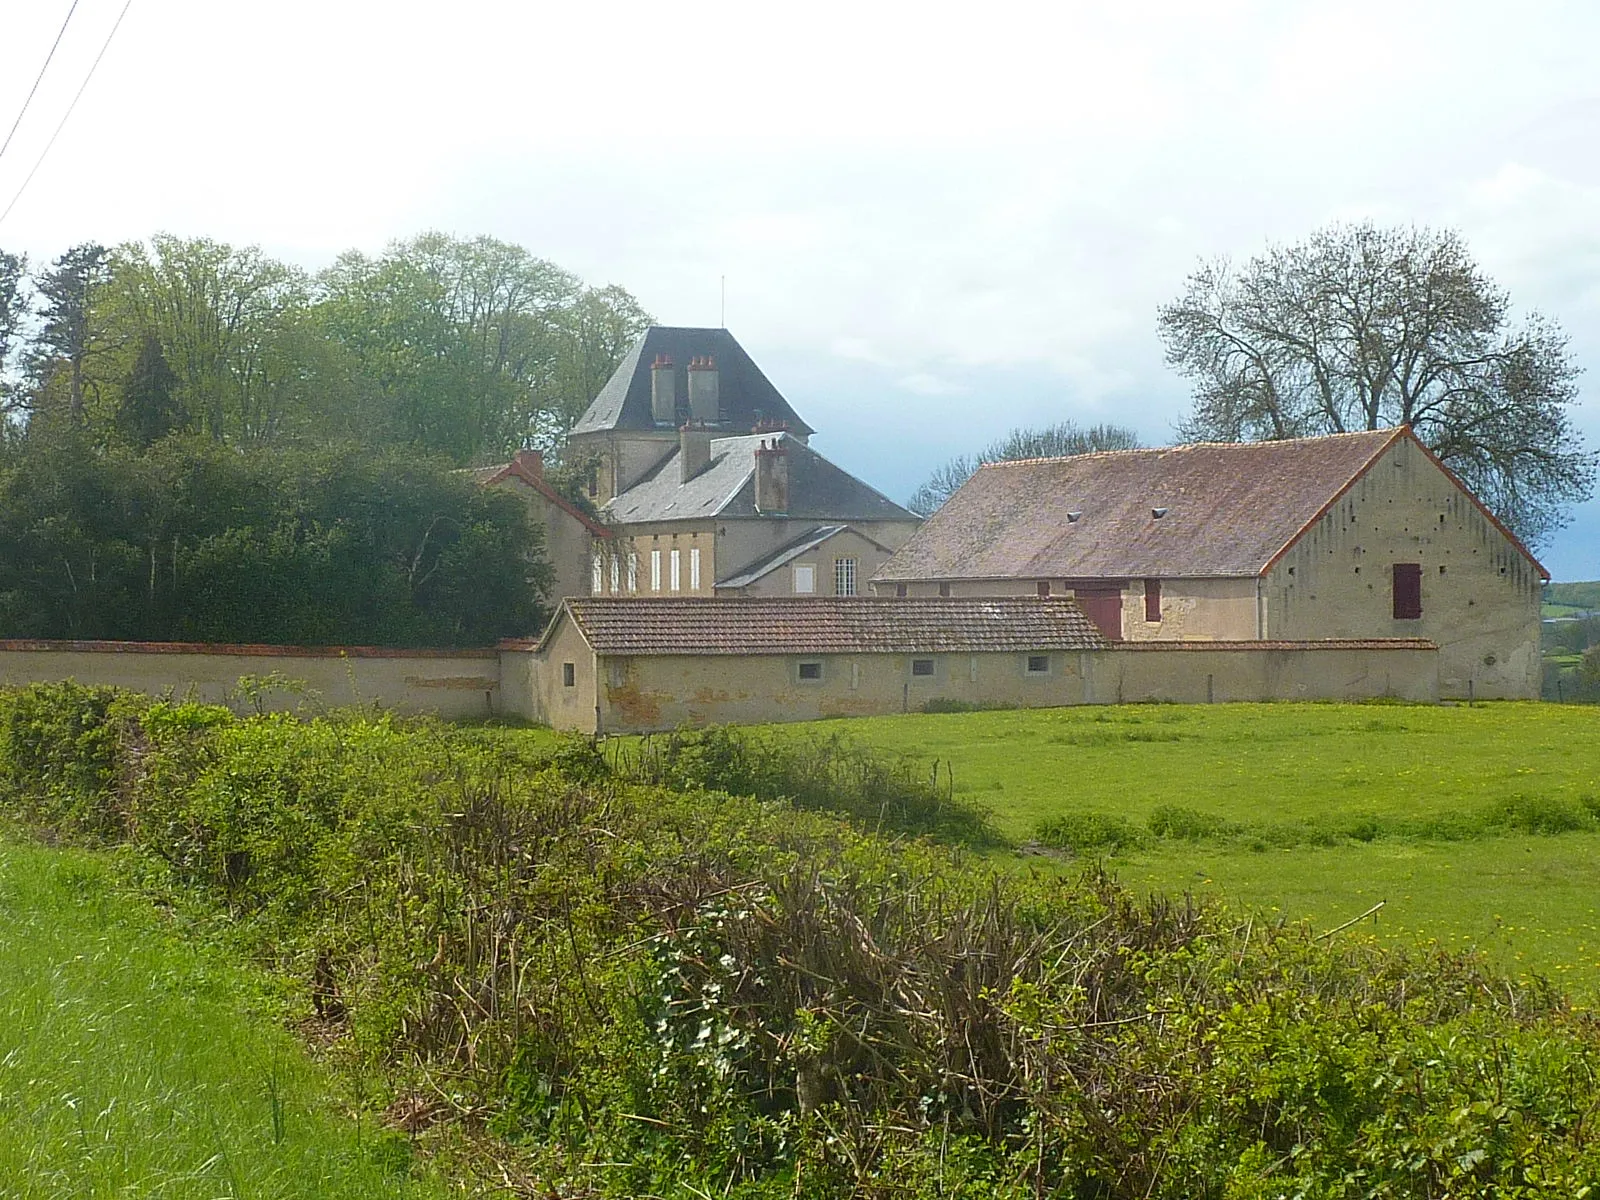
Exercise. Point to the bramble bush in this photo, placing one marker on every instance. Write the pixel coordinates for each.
(654, 988)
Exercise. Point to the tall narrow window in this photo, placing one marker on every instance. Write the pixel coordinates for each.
(616, 574)
(1152, 599)
(1407, 591)
(944, 589)
(655, 570)
(677, 571)
(805, 579)
(844, 577)
(900, 591)
(633, 570)
(694, 569)
(596, 574)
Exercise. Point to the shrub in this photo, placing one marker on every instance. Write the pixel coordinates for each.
(1087, 831)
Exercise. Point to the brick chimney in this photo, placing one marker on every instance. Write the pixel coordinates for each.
(694, 450)
(772, 477)
(531, 462)
(705, 400)
(663, 391)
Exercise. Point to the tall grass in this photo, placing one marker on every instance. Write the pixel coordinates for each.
(130, 1067)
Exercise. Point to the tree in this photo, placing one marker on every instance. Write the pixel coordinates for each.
(149, 410)
(1361, 327)
(65, 339)
(13, 312)
(1050, 441)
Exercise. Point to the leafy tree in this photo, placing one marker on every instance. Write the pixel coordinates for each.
(1362, 327)
(1049, 441)
(149, 410)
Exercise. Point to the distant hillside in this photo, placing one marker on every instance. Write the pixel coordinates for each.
(1577, 596)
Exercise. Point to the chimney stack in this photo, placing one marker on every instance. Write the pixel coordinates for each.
(694, 450)
(531, 462)
(705, 401)
(772, 477)
(663, 391)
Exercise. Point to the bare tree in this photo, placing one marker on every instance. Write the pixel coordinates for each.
(1050, 441)
(1361, 327)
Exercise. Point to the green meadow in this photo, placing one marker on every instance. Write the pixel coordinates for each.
(131, 1063)
(1476, 827)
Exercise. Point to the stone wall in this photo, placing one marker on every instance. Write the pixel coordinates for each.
(451, 683)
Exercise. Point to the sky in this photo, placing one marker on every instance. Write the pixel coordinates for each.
(931, 223)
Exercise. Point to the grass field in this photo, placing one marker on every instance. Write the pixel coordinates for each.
(1477, 826)
(129, 1068)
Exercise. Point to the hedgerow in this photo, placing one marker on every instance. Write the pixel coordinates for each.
(657, 989)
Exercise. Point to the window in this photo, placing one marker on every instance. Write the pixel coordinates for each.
(922, 666)
(677, 571)
(1038, 664)
(805, 579)
(616, 574)
(633, 570)
(944, 590)
(811, 671)
(1407, 591)
(1152, 599)
(844, 577)
(655, 570)
(596, 574)
(1044, 588)
(900, 591)
(694, 569)
(569, 675)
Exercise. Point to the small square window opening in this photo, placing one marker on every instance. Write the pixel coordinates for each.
(811, 670)
(922, 666)
(1038, 664)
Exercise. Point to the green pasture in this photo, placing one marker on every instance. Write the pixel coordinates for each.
(1477, 826)
(129, 1065)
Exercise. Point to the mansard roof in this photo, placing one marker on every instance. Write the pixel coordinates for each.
(748, 397)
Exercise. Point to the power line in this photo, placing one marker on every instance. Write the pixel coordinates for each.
(59, 33)
(104, 46)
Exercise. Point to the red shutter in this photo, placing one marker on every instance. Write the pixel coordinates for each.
(1152, 599)
(1407, 591)
(1103, 606)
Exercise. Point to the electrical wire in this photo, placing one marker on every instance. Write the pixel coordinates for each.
(59, 34)
(39, 162)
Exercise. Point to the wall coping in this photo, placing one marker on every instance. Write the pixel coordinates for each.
(1318, 644)
(237, 650)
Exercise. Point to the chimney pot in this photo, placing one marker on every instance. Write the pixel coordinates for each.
(705, 394)
(531, 461)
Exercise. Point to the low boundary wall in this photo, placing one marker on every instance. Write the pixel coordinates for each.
(452, 683)
(655, 692)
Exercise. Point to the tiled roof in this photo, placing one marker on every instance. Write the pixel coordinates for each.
(747, 396)
(818, 490)
(809, 540)
(830, 625)
(1226, 510)
(522, 473)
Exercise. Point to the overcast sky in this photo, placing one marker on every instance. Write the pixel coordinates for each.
(935, 222)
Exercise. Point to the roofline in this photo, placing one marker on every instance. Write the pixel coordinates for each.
(777, 558)
(1406, 433)
(1399, 434)
(515, 470)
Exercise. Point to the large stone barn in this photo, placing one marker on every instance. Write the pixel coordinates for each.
(1360, 535)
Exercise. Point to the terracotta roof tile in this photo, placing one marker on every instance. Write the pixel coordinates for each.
(1226, 509)
(831, 624)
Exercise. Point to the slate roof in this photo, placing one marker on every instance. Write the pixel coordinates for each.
(747, 396)
(789, 552)
(818, 490)
(1230, 508)
(829, 625)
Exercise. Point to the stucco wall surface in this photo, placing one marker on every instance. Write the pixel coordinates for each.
(556, 704)
(452, 684)
(1221, 610)
(1480, 594)
(639, 694)
(822, 559)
